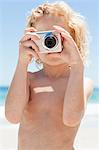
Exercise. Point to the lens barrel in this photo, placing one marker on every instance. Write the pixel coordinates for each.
(50, 41)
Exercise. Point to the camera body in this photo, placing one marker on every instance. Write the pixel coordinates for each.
(50, 41)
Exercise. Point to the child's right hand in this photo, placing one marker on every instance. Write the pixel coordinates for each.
(27, 47)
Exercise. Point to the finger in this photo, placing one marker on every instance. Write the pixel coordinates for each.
(67, 38)
(69, 42)
(29, 36)
(30, 29)
(31, 52)
(33, 35)
(64, 35)
(60, 29)
(31, 44)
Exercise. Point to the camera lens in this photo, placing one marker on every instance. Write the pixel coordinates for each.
(50, 41)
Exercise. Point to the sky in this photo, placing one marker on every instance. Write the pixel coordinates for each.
(13, 15)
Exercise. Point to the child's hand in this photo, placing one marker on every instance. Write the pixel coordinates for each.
(70, 53)
(27, 48)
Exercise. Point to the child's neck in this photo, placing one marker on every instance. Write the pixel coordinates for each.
(56, 71)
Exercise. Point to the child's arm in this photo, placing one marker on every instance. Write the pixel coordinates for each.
(18, 93)
(77, 91)
(76, 96)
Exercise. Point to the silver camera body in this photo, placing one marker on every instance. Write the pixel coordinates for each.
(50, 41)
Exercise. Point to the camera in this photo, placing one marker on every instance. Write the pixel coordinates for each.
(50, 41)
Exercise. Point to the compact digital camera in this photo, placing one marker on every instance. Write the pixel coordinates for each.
(50, 41)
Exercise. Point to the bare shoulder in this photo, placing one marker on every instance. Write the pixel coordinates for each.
(88, 86)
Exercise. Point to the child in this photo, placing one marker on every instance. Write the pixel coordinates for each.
(49, 104)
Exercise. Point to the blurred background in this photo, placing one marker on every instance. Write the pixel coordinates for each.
(13, 15)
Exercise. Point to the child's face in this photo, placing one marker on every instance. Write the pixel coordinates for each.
(44, 24)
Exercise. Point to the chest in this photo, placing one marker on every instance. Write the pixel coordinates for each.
(45, 94)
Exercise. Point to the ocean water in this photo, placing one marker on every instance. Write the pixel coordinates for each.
(94, 98)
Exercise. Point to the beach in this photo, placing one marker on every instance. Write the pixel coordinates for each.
(86, 139)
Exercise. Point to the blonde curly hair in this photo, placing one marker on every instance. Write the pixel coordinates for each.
(73, 19)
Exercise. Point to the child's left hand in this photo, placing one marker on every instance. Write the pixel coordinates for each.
(70, 53)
